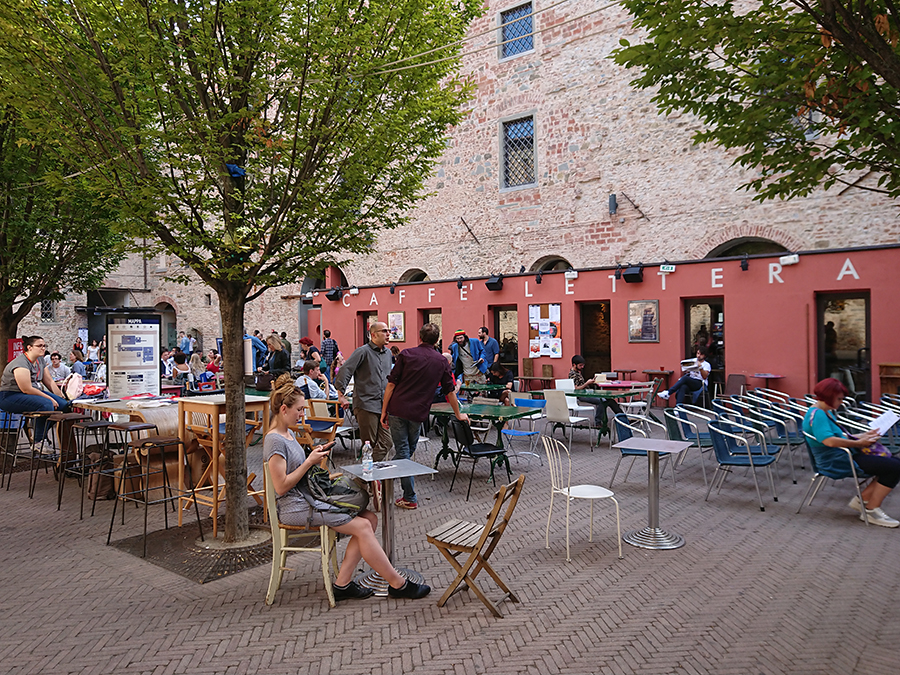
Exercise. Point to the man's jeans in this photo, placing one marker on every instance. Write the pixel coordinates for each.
(405, 435)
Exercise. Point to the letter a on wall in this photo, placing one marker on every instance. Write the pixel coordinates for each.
(848, 268)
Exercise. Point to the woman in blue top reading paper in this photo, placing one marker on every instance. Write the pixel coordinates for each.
(820, 423)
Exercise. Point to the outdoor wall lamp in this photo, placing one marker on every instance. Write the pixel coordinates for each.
(335, 294)
(745, 263)
(618, 272)
(522, 269)
(634, 274)
(539, 277)
(459, 283)
(495, 283)
(354, 291)
(613, 204)
(393, 286)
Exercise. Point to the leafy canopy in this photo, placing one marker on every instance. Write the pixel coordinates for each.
(54, 236)
(807, 91)
(247, 137)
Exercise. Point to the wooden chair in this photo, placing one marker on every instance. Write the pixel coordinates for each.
(281, 545)
(322, 423)
(456, 537)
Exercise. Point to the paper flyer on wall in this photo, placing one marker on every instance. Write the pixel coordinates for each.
(534, 347)
(555, 348)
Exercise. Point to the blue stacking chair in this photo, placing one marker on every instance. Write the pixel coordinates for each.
(674, 426)
(626, 427)
(837, 471)
(732, 449)
(529, 433)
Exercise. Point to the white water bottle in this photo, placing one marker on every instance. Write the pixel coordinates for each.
(367, 463)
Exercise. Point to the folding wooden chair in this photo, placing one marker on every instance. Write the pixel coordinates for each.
(477, 541)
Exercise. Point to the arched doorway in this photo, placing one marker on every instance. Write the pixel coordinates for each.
(746, 246)
(550, 263)
(169, 320)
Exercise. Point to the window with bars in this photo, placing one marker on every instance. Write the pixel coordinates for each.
(515, 31)
(48, 311)
(518, 152)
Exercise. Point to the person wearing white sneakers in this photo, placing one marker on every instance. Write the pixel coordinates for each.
(692, 380)
(820, 422)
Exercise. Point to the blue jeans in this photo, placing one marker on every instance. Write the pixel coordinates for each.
(685, 384)
(405, 435)
(17, 402)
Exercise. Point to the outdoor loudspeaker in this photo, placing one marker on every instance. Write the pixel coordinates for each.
(495, 283)
(334, 295)
(633, 274)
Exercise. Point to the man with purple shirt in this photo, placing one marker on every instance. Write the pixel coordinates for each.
(408, 396)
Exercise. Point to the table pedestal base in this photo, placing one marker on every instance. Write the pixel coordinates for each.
(373, 580)
(653, 537)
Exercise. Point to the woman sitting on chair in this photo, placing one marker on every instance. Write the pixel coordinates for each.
(820, 423)
(288, 464)
(693, 379)
(277, 360)
(18, 385)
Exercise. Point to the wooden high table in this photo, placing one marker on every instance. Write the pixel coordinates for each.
(212, 408)
(161, 412)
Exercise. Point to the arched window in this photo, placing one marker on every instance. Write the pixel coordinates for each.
(746, 245)
(414, 274)
(550, 263)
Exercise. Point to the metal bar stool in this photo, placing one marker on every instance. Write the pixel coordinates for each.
(145, 450)
(117, 448)
(83, 466)
(11, 428)
(43, 452)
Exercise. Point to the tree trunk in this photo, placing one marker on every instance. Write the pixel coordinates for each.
(8, 328)
(231, 305)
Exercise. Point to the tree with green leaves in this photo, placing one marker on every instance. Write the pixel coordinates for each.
(54, 234)
(808, 92)
(257, 140)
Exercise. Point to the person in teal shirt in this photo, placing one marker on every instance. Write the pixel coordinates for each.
(820, 423)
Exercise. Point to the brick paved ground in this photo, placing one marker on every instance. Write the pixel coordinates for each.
(751, 592)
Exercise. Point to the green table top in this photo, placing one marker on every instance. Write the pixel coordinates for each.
(597, 393)
(485, 412)
(483, 387)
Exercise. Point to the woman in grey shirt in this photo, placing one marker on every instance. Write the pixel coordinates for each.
(288, 465)
(19, 392)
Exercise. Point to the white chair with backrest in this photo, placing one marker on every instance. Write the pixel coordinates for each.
(558, 413)
(325, 543)
(576, 408)
(531, 434)
(561, 484)
(640, 403)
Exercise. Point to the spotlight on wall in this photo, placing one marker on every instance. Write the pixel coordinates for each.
(495, 283)
(634, 274)
(618, 272)
(571, 274)
(613, 204)
(354, 291)
(393, 286)
(459, 283)
(539, 277)
(335, 294)
(791, 259)
(522, 269)
(745, 263)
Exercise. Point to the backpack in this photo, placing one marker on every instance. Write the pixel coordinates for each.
(343, 494)
(73, 386)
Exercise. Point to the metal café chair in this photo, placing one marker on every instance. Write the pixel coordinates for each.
(732, 449)
(838, 468)
(626, 427)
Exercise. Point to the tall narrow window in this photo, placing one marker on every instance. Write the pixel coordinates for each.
(48, 311)
(515, 31)
(518, 152)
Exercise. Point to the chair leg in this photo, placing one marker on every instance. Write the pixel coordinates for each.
(630, 467)
(812, 484)
(591, 526)
(611, 480)
(279, 558)
(618, 527)
(549, 514)
(568, 503)
(471, 476)
(758, 495)
(325, 538)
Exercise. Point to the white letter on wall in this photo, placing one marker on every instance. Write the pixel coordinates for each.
(374, 300)
(401, 293)
(462, 293)
(663, 275)
(570, 284)
(717, 277)
(430, 294)
(848, 268)
(613, 277)
(346, 299)
(527, 294)
(775, 273)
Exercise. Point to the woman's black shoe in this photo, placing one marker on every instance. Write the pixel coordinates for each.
(410, 590)
(352, 591)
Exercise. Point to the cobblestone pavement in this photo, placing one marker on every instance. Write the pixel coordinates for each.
(749, 593)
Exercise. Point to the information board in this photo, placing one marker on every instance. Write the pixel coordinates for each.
(133, 354)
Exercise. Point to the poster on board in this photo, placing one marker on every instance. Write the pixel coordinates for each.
(134, 354)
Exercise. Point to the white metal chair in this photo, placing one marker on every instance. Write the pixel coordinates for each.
(641, 405)
(576, 408)
(530, 433)
(281, 536)
(561, 484)
(558, 413)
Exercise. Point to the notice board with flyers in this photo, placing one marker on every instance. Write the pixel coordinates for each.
(545, 330)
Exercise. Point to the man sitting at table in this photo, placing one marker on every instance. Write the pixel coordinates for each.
(499, 374)
(314, 383)
(600, 405)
